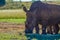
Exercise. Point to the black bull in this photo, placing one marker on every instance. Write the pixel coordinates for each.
(44, 14)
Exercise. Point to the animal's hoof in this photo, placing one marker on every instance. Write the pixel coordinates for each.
(49, 33)
(44, 33)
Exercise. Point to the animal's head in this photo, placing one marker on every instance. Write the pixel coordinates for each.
(30, 18)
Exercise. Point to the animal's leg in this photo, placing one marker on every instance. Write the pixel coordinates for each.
(44, 29)
(56, 28)
(37, 29)
(44, 25)
(49, 30)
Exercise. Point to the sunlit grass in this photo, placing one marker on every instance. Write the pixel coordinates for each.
(6, 36)
(18, 13)
(18, 21)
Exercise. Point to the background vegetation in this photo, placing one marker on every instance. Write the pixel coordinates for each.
(18, 5)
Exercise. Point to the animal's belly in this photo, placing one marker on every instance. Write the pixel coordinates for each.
(50, 21)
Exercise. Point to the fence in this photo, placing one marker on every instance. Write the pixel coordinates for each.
(43, 37)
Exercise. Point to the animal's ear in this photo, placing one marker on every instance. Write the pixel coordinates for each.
(25, 9)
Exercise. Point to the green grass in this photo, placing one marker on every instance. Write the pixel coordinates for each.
(7, 36)
(13, 16)
(18, 13)
(18, 21)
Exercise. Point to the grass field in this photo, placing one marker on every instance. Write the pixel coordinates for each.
(11, 29)
(17, 21)
(13, 18)
(13, 36)
(18, 13)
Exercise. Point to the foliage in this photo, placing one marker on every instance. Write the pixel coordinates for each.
(15, 5)
(18, 5)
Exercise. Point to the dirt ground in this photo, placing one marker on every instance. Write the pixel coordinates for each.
(11, 27)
